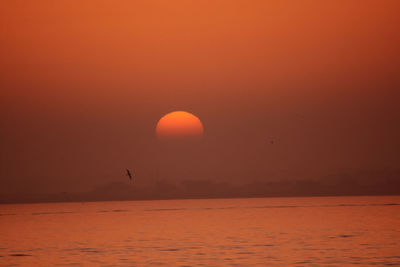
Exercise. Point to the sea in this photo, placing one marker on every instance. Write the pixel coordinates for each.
(306, 231)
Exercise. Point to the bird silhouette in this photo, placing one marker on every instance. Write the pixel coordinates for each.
(128, 173)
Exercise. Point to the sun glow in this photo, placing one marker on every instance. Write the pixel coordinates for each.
(179, 124)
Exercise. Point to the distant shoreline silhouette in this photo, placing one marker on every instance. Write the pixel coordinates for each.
(340, 185)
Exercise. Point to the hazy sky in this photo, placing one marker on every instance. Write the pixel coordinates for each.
(83, 84)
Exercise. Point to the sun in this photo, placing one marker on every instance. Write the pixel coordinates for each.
(179, 125)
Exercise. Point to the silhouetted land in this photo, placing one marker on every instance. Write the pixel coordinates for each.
(367, 183)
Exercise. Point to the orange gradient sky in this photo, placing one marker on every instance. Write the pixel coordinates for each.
(83, 84)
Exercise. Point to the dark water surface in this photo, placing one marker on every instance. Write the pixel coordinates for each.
(314, 231)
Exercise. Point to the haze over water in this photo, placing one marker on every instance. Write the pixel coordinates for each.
(310, 231)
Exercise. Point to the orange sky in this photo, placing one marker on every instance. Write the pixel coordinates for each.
(83, 84)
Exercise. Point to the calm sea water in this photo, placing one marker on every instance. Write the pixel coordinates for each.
(315, 231)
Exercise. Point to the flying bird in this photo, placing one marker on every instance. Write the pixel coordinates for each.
(128, 173)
